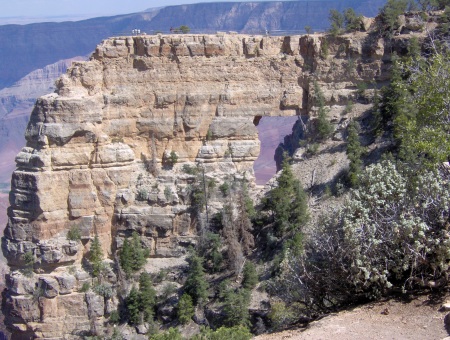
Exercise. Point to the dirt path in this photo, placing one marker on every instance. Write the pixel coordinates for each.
(416, 320)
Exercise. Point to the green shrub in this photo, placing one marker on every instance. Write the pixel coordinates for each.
(211, 184)
(184, 29)
(29, 260)
(142, 194)
(116, 335)
(361, 89)
(312, 148)
(280, 315)
(85, 287)
(168, 290)
(173, 158)
(209, 135)
(114, 317)
(224, 333)
(170, 334)
(324, 48)
(224, 189)
(348, 108)
(105, 290)
(190, 170)
(167, 193)
(74, 234)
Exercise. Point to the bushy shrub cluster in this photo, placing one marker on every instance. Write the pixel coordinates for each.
(392, 234)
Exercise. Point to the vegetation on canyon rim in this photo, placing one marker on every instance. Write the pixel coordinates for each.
(391, 235)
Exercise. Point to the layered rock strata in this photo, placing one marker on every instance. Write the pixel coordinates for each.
(107, 153)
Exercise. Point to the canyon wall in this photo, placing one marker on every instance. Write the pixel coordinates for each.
(107, 153)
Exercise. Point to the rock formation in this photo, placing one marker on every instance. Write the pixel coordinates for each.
(107, 152)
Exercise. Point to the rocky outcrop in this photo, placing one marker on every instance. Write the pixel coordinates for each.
(108, 152)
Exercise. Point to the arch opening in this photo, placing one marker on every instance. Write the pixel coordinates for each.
(272, 132)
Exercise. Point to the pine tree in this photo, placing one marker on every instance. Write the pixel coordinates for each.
(196, 285)
(250, 276)
(139, 255)
(299, 204)
(133, 255)
(244, 226)
(324, 126)
(236, 306)
(147, 296)
(125, 258)
(96, 256)
(287, 201)
(211, 251)
(185, 309)
(231, 236)
(132, 304)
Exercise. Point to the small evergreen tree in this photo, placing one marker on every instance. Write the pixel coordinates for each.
(139, 254)
(352, 20)
(324, 127)
(133, 255)
(230, 233)
(288, 201)
(250, 276)
(211, 251)
(125, 258)
(243, 225)
(390, 12)
(235, 307)
(147, 296)
(133, 305)
(185, 309)
(336, 21)
(196, 285)
(96, 256)
(184, 29)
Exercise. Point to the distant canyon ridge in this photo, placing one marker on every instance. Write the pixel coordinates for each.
(26, 48)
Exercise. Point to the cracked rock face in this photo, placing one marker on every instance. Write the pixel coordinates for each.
(98, 150)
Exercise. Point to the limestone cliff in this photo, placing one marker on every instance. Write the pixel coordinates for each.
(100, 151)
